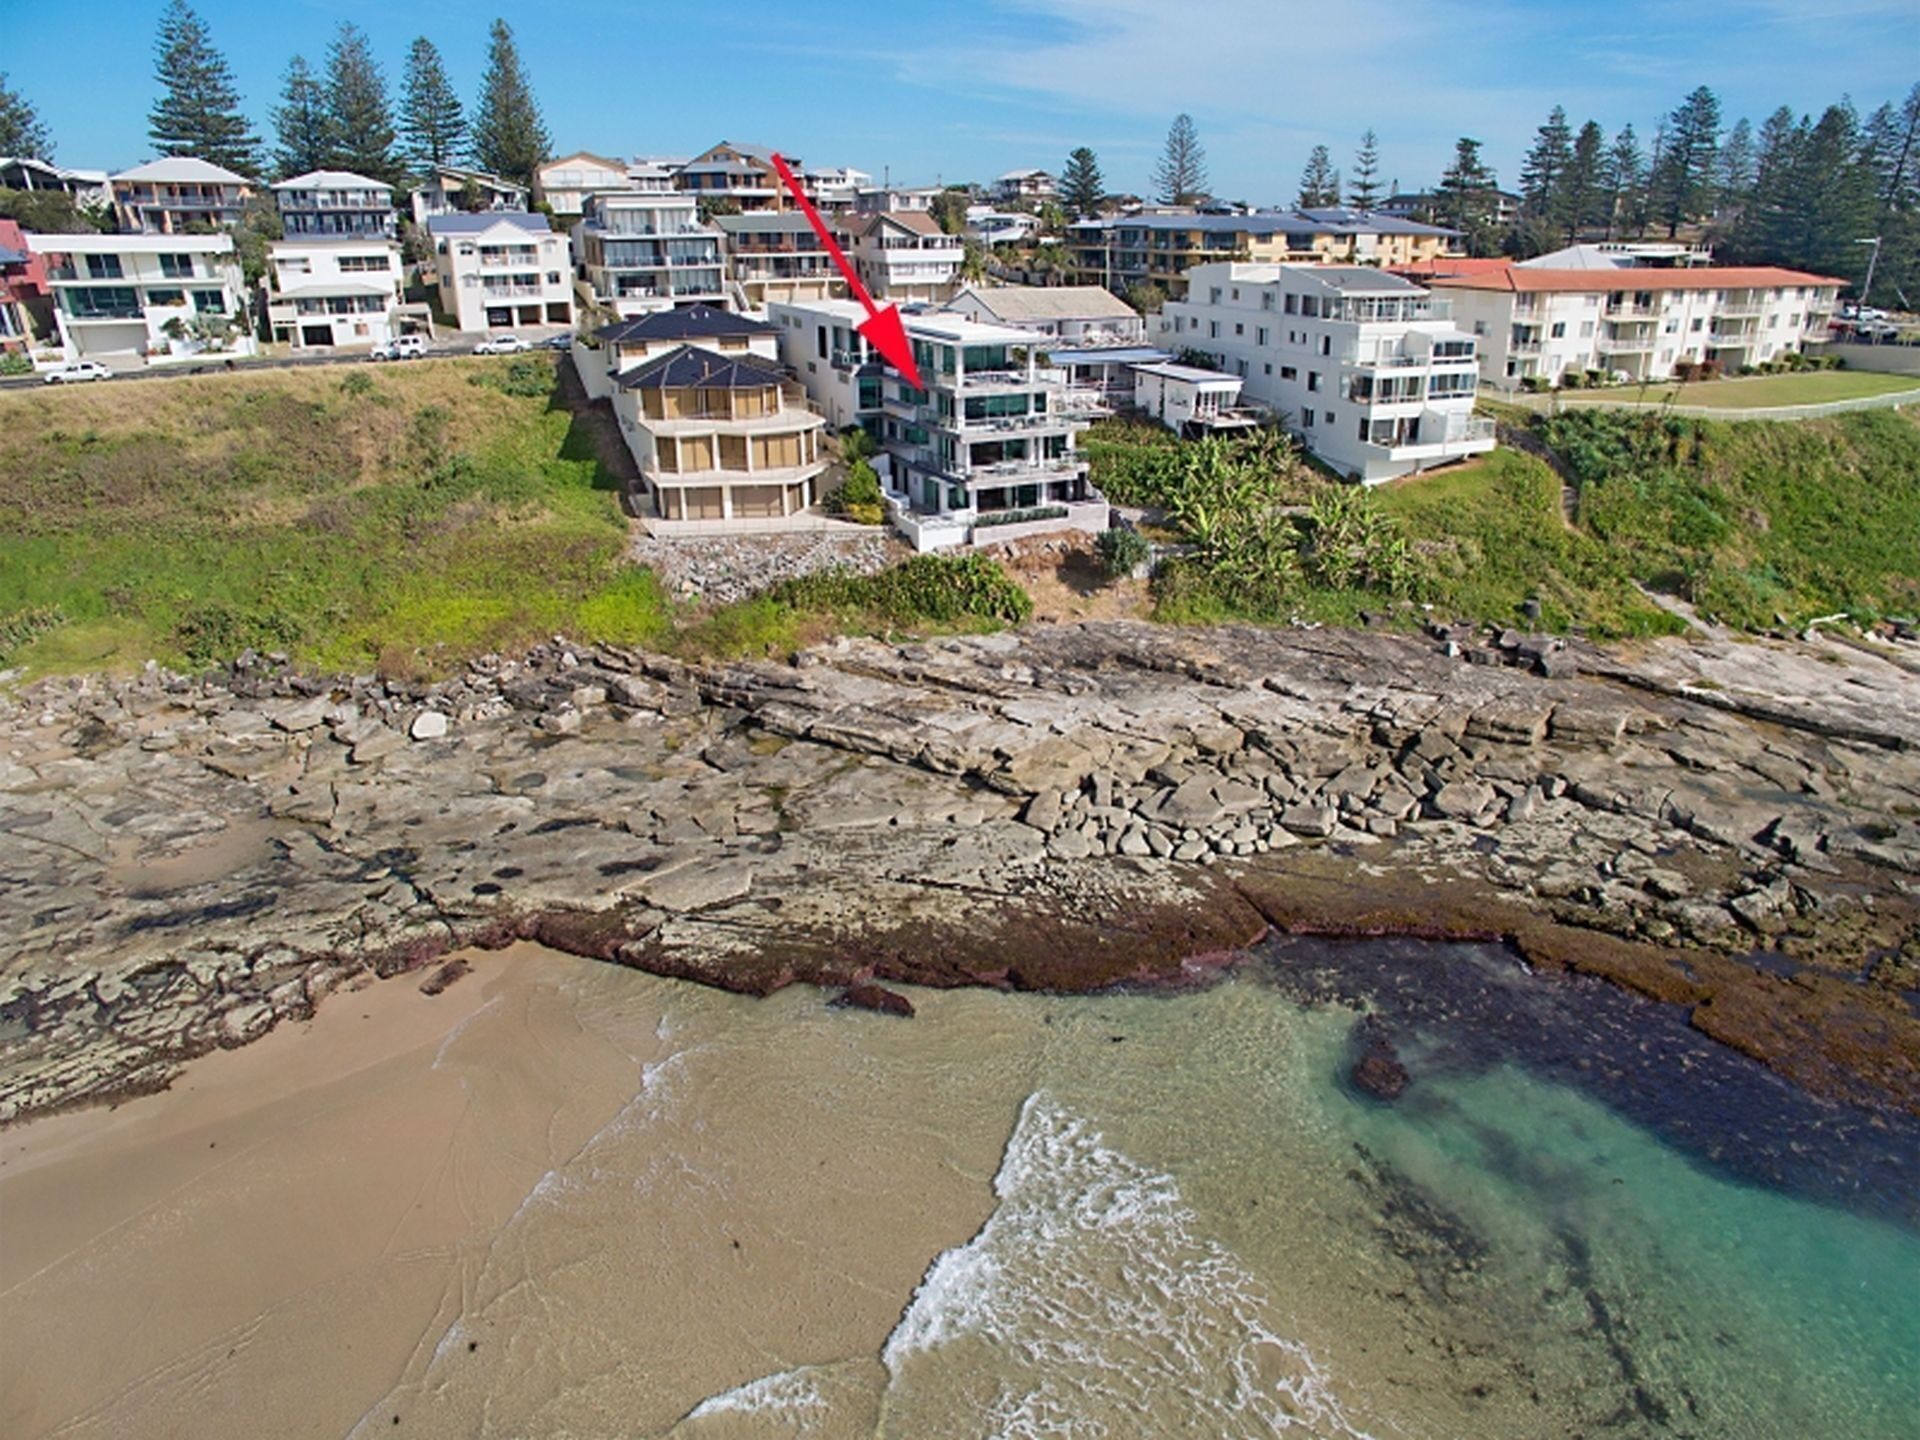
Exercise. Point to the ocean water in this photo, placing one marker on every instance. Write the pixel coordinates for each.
(1173, 1215)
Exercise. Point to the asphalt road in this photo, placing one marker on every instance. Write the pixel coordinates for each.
(460, 345)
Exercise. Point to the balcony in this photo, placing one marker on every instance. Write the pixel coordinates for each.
(513, 292)
(1628, 310)
(1740, 310)
(1009, 424)
(1523, 347)
(1624, 344)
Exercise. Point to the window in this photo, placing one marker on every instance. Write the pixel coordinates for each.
(1306, 418)
(1326, 345)
(1269, 368)
(1559, 331)
(1292, 305)
(159, 296)
(1236, 292)
(103, 267)
(1260, 336)
(176, 267)
(1238, 328)
(1287, 372)
(1586, 329)
(210, 302)
(820, 340)
(361, 264)
(1213, 329)
(1313, 380)
(1266, 299)
(1697, 323)
(1213, 294)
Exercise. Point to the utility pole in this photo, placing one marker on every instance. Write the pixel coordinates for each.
(1872, 260)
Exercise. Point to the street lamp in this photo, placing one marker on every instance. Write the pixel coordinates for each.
(1872, 261)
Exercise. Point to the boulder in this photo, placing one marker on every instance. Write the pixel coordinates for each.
(1461, 799)
(877, 998)
(429, 725)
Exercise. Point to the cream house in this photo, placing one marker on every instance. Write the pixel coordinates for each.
(502, 270)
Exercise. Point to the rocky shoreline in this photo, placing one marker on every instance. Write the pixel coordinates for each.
(1730, 828)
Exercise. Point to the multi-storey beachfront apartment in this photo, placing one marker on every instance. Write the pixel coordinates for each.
(626, 344)
(834, 189)
(176, 195)
(775, 255)
(1032, 186)
(987, 451)
(502, 269)
(1132, 249)
(642, 251)
(334, 291)
(325, 203)
(563, 185)
(1636, 322)
(1371, 371)
(904, 256)
(453, 189)
(720, 437)
(161, 297)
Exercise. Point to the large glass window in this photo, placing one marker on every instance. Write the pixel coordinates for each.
(176, 267)
(97, 302)
(210, 302)
(103, 267)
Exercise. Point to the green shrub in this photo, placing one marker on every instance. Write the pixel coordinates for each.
(527, 376)
(15, 362)
(1123, 550)
(859, 497)
(357, 383)
(941, 588)
(213, 633)
(1572, 380)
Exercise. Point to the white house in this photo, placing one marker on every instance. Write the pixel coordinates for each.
(1033, 186)
(450, 189)
(987, 451)
(1189, 400)
(836, 187)
(1079, 315)
(334, 292)
(820, 342)
(176, 194)
(1000, 227)
(89, 188)
(648, 251)
(1376, 378)
(563, 185)
(501, 270)
(905, 256)
(327, 203)
(158, 297)
(1634, 322)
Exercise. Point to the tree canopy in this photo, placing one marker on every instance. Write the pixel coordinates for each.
(431, 120)
(21, 130)
(509, 136)
(198, 111)
(1180, 177)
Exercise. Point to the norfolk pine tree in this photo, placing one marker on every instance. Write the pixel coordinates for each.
(1319, 183)
(21, 130)
(1180, 177)
(1364, 190)
(509, 137)
(431, 119)
(360, 121)
(1081, 185)
(198, 112)
(300, 123)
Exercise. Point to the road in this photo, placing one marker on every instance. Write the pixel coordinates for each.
(459, 343)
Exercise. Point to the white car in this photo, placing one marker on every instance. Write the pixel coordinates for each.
(77, 371)
(401, 347)
(501, 345)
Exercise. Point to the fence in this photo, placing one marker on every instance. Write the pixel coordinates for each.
(1546, 403)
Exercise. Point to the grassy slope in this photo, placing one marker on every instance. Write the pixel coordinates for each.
(1814, 387)
(423, 518)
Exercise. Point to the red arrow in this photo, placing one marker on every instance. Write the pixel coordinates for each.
(881, 327)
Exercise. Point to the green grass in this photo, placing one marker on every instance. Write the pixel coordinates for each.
(1812, 387)
(404, 519)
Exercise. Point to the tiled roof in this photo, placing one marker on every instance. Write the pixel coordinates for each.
(688, 322)
(917, 221)
(690, 367)
(1351, 222)
(1693, 277)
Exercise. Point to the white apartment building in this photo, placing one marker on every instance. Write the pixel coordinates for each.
(834, 188)
(987, 451)
(905, 256)
(642, 251)
(158, 297)
(176, 194)
(1000, 227)
(1376, 378)
(329, 203)
(820, 342)
(1634, 323)
(563, 185)
(502, 269)
(337, 292)
(1189, 400)
(1077, 315)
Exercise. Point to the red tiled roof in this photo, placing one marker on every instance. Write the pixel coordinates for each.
(1449, 265)
(1698, 277)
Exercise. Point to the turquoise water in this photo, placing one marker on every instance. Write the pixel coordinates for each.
(1195, 1225)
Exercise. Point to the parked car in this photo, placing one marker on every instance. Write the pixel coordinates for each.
(501, 345)
(558, 342)
(76, 371)
(401, 347)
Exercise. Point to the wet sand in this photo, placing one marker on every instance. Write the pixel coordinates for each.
(280, 1244)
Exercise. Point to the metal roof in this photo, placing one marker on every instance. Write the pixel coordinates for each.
(1051, 302)
(688, 322)
(690, 367)
(482, 221)
(333, 180)
(183, 169)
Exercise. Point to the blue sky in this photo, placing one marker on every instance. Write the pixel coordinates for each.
(965, 91)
